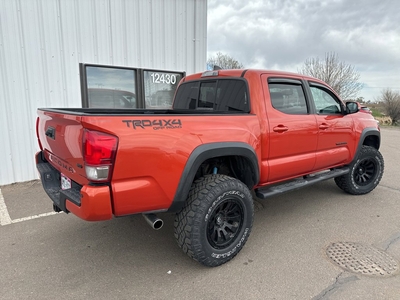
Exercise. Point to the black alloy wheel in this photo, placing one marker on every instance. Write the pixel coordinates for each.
(365, 172)
(225, 223)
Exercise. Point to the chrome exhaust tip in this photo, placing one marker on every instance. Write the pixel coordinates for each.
(155, 222)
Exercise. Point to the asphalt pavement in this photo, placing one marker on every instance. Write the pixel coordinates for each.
(44, 255)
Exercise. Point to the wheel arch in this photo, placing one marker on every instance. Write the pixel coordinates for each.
(244, 152)
(369, 137)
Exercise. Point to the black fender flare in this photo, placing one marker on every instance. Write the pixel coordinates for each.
(370, 131)
(207, 151)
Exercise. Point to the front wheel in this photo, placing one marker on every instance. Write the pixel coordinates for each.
(365, 172)
(216, 221)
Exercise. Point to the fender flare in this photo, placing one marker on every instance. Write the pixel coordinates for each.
(207, 151)
(370, 131)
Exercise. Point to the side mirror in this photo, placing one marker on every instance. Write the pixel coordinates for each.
(352, 107)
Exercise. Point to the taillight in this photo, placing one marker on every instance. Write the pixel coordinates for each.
(37, 133)
(99, 151)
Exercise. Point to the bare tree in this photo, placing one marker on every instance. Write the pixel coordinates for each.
(339, 75)
(391, 104)
(224, 61)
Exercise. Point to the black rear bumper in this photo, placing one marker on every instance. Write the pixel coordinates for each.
(51, 182)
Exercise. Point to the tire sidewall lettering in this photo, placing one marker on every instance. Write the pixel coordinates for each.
(234, 249)
(377, 179)
(352, 174)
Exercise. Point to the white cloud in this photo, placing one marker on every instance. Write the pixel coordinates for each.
(282, 34)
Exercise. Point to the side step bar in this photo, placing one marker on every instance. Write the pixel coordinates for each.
(299, 183)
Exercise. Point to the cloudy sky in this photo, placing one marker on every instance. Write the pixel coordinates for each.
(282, 34)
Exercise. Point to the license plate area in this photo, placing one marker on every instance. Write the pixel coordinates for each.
(65, 182)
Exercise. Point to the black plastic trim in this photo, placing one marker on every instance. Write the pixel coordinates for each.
(50, 178)
(207, 151)
(243, 73)
(51, 132)
(136, 112)
(370, 131)
(284, 80)
(317, 84)
(309, 98)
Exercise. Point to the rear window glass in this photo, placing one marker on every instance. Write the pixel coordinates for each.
(288, 98)
(216, 95)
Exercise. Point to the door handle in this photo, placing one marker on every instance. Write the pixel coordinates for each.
(280, 128)
(323, 126)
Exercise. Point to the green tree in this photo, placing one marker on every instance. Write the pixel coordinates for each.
(339, 75)
(224, 61)
(391, 104)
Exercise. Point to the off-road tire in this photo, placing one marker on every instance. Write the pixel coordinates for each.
(216, 220)
(365, 172)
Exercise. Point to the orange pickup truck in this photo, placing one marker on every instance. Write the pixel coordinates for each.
(229, 132)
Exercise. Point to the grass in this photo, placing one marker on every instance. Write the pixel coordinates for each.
(376, 112)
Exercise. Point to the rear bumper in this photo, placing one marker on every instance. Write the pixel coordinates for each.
(90, 203)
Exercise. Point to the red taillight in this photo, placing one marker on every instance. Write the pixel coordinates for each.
(99, 151)
(37, 133)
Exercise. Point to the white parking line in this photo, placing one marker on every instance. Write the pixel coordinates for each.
(33, 217)
(5, 216)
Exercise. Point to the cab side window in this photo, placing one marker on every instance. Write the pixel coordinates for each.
(224, 95)
(325, 102)
(288, 98)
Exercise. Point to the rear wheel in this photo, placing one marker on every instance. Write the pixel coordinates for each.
(365, 172)
(216, 221)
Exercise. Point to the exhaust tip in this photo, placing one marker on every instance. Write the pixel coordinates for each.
(158, 224)
(155, 222)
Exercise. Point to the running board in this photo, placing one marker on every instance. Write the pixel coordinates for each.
(299, 183)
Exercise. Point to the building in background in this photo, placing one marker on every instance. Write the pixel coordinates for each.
(43, 42)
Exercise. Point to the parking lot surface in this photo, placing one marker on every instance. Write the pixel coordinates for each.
(44, 255)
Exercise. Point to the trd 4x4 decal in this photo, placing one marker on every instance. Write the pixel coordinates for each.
(156, 124)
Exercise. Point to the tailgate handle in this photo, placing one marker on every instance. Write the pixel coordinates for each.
(51, 133)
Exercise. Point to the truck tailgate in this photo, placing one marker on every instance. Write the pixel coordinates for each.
(60, 136)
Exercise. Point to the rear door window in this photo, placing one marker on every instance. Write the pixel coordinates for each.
(228, 95)
(288, 98)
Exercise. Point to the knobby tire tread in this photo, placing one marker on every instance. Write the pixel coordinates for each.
(184, 220)
(344, 182)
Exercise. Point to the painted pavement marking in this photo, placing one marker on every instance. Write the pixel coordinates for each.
(4, 215)
(5, 218)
